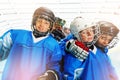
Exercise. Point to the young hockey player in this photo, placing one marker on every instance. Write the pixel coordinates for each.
(32, 55)
(83, 36)
(98, 65)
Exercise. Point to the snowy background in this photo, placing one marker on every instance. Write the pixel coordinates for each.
(18, 14)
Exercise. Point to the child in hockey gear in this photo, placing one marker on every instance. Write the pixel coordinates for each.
(107, 30)
(57, 31)
(82, 37)
(98, 65)
(31, 54)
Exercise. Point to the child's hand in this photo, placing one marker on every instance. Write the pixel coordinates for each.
(78, 49)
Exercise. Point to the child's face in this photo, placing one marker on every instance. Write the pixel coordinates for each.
(42, 25)
(87, 35)
(67, 31)
(104, 40)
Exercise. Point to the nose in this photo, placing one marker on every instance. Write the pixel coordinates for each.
(89, 33)
(41, 23)
(106, 42)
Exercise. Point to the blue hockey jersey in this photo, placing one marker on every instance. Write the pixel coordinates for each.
(99, 67)
(95, 67)
(26, 59)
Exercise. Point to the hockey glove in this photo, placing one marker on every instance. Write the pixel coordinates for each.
(49, 75)
(58, 34)
(43, 77)
(78, 49)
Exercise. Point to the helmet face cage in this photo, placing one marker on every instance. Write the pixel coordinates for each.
(96, 31)
(113, 43)
(79, 24)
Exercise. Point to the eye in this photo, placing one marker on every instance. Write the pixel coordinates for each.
(104, 38)
(46, 22)
(83, 32)
(39, 21)
(91, 30)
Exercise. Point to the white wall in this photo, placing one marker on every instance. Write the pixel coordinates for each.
(18, 14)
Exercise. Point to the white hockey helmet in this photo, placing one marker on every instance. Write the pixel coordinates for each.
(79, 24)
